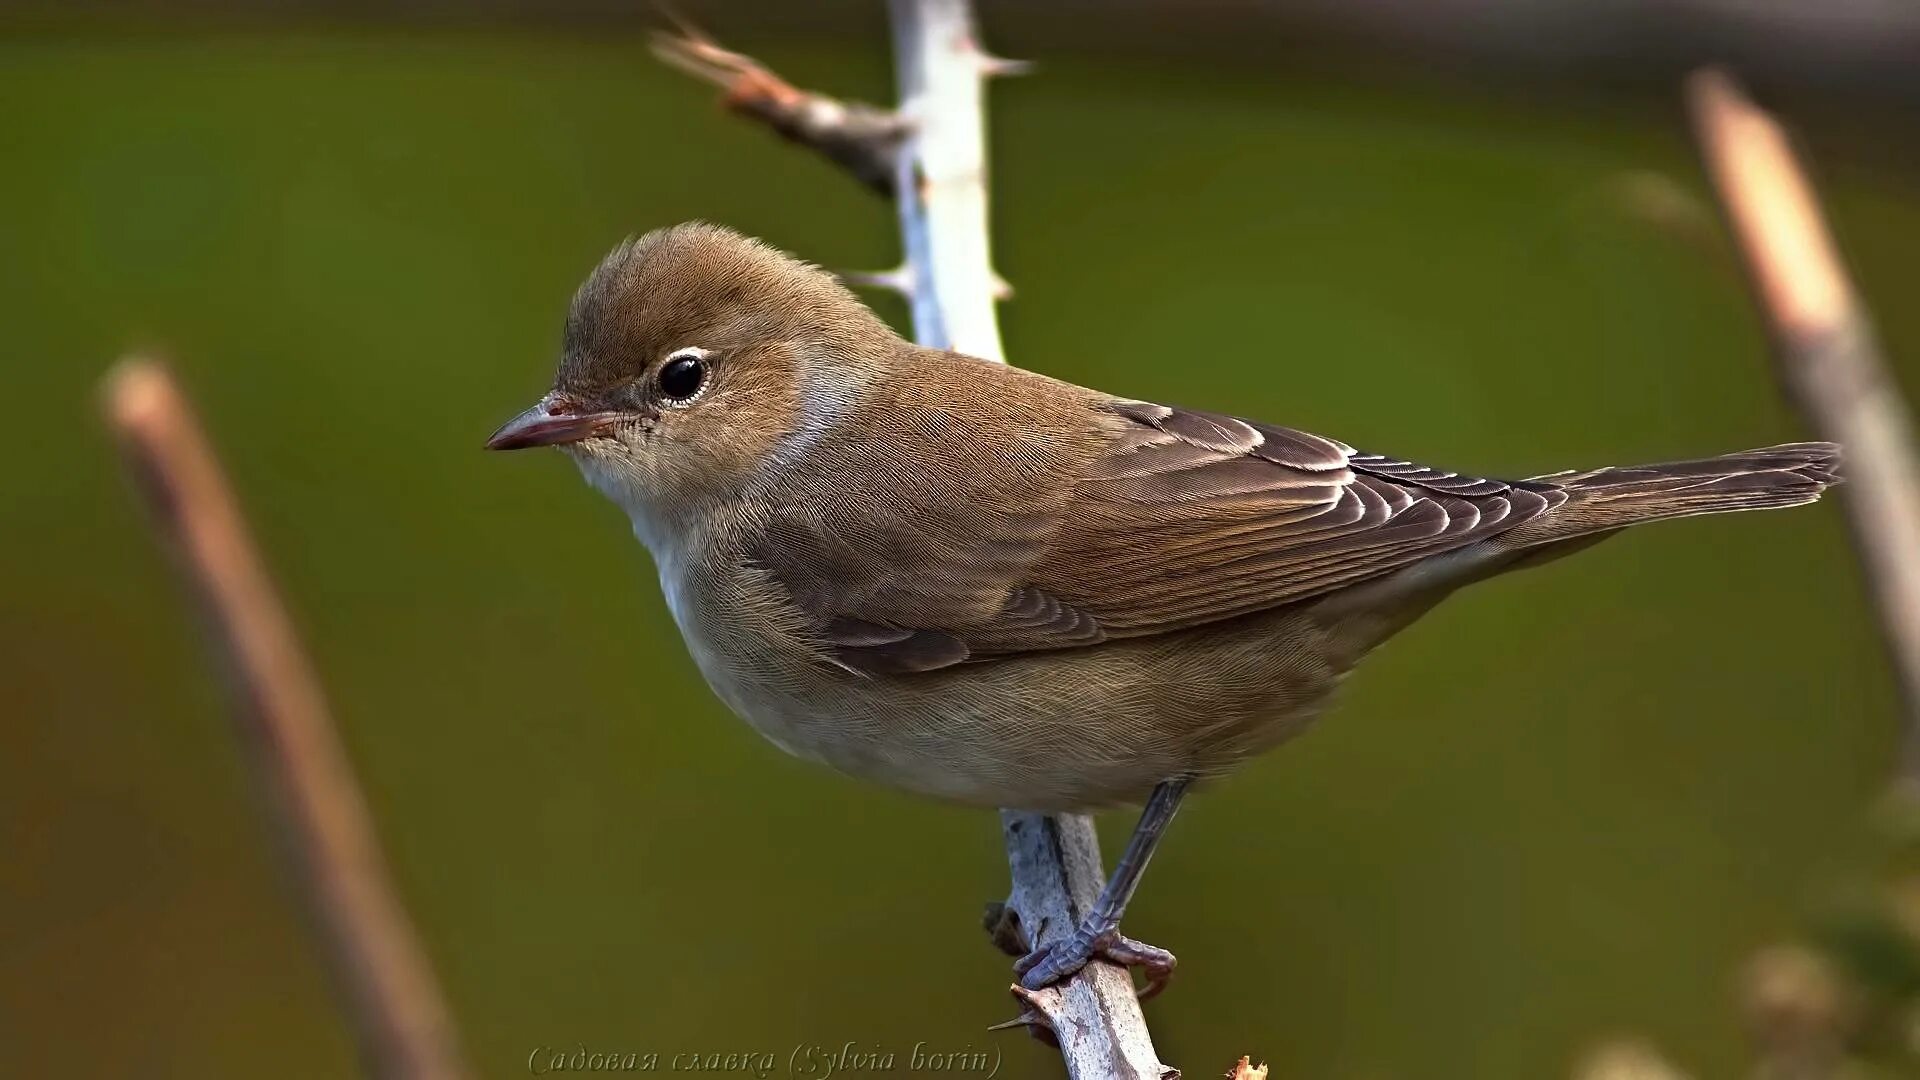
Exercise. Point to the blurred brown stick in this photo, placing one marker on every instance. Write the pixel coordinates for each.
(1827, 357)
(391, 996)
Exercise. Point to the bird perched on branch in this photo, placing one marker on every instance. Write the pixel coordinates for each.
(979, 583)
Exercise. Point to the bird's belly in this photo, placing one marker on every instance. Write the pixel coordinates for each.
(1071, 730)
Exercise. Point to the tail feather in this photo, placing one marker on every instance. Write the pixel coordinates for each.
(1600, 500)
(1591, 506)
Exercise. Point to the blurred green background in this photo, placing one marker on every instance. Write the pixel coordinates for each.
(1567, 805)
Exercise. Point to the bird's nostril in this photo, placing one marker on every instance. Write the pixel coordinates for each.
(558, 407)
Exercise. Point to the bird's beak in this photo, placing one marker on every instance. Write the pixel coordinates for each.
(550, 423)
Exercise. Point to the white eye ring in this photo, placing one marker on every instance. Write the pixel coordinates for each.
(679, 365)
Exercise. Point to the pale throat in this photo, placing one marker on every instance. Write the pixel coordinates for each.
(624, 488)
(661, 535)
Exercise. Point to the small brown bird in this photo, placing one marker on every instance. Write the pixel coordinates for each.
(978, 583)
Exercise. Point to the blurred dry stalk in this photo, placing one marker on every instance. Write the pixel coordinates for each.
(1847, 1001)
(934, 149)
(1828, 360)
(1850, 1000)
(392, 998)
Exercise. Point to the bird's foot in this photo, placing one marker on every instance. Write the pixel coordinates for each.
(1045, 966)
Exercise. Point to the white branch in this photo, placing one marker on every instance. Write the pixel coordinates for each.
(942, 196)
(942, 176)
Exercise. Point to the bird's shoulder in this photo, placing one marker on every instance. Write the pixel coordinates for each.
(931, 498)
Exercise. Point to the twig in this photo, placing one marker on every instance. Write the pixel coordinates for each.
(392, 999)
(940, 180)
(858, 137)
(1827, 357)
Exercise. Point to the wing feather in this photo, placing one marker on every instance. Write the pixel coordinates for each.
(1180, 518)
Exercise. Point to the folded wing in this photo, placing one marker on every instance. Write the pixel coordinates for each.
(1185, 518)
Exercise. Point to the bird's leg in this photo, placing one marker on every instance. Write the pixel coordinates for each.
(1099, 933)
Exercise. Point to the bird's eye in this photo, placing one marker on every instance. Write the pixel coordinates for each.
(683, 376)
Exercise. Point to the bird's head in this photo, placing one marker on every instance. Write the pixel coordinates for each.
(694, 357)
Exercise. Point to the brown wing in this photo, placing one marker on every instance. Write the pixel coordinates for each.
(1195, 517)
(1182, 518)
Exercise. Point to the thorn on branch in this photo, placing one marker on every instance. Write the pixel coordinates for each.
(1039, 1014)
(863, 139)
(899, 279)
(1000, 67)
(1031, 1019)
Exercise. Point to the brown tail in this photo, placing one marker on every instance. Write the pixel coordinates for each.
(1602, 500)
(1594, 505)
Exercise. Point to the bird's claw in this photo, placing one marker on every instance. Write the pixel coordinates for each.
(1049, 964)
